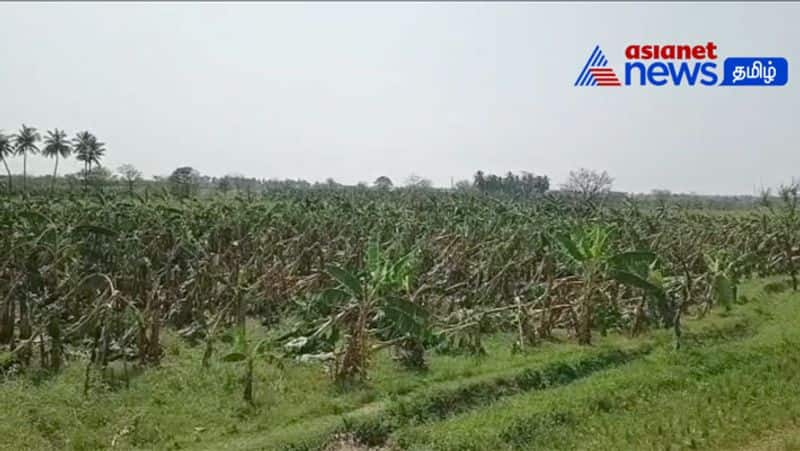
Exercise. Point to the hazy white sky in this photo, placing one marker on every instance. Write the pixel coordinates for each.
(354, 91)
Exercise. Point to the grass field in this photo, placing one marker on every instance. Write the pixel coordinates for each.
(735, 383)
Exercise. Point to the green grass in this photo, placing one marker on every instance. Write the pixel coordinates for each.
(735, 382)
(715, 393)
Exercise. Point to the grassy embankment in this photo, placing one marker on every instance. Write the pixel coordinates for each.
(734, 384)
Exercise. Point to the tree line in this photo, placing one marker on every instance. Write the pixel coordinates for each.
(585, 184)
(526, 184)
(185, 181)
(55, 144)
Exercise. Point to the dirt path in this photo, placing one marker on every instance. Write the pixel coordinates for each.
(784, 439)
(348, 444)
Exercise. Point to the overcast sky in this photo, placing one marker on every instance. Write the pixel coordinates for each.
(354, 91)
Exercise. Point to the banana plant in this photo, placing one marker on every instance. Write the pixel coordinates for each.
(784, 239)
(375, 311)
(589, 251)
(244, 350)
(642, 273)
(725, 273)
(639, 274)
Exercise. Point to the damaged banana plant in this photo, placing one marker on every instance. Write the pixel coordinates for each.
(372, 309)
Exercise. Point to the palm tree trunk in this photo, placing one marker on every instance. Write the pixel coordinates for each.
(55, 174)
(24, 172)
(5, 163)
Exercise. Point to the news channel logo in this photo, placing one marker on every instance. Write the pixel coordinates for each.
(682, 65)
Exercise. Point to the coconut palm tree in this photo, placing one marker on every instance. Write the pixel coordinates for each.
(96, 152)
(24, 143)
(82, 147)
(56, 145)
(6, 150)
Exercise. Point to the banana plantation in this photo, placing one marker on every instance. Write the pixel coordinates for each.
(344, 275)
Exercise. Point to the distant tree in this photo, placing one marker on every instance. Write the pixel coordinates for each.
(224, 184)
(56, 145)
(479, 181)
(512, 184)
(97, 177)
(205, 180)
(464, 185)
(493, 183)
(534, 184)
(661, 194)
(97, 151)
(6, 150)
(587, 184)
(415, 181)
(82, 147)
(88, 149)
(100, 175)
(130, 174)
(24, 143)
(383, 182)
(236, 180)
(184, 181)
(541, 184)
(74, 178)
